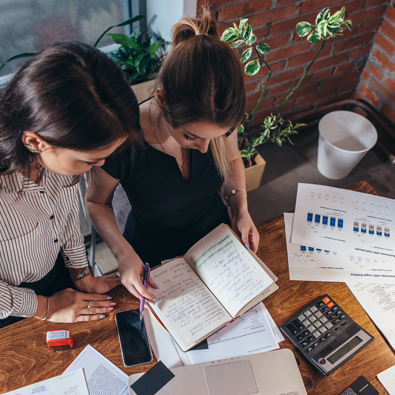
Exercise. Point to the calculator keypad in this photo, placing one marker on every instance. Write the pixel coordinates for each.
(315, 324)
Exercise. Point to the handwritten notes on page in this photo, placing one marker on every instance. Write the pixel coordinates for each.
(228, 269)
(185, 304)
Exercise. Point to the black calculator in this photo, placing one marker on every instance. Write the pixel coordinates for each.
(325, 334)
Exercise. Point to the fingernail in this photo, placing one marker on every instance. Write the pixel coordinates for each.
(110, 309)
(112, 304)
(109, 297)
(154, 303)
(246, 246)
(157, 286)
(102, 316)
(155, 300)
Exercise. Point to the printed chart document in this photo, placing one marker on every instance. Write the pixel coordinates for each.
(348, 222)
(378, 300)
(387, 378)
(72, 383)
(307, 263)
(248, 334)
(102, 376)
(217, 280)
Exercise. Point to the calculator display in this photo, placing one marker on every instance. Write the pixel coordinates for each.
(344, 350)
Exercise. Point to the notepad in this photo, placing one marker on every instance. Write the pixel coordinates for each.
(217, 280)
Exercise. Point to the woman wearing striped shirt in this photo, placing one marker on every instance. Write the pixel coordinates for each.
(64, 111)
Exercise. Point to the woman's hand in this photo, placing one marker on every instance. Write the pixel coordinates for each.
(85, 282)
(72, 306)
(131, 269)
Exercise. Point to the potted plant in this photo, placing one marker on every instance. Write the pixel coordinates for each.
(274, 127)
(140, 57)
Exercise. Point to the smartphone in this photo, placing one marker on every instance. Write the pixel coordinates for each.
(133, 338)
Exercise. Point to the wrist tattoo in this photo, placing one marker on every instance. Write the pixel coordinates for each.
(79, 274)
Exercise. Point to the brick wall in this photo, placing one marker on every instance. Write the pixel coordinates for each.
(377, 84)
(336, 73)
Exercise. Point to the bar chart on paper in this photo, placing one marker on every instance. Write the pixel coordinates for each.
(345, 221)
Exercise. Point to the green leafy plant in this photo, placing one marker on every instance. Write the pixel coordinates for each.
(275, 128)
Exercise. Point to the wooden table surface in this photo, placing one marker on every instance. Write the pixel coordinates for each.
(26, 359)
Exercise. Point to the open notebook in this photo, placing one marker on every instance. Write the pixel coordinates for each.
(217, 280)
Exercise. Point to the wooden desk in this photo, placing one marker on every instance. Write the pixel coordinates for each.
(26, 359)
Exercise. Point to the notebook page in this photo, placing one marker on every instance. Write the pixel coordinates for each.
(228, 269)
(185, 305)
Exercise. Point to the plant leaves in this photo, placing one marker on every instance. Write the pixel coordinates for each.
(242, 26)
(124, 23)
(235, 44)
(21, 55)
(263, 48)
(247, 32)
(323, 15)
(251, 40)
(240, 129)
(229, 35)
(348, 24)
(303, 28)
(322, 29)
(123, 39)
(246, 55)
(314, 37)
(251, 68)
(153, 48)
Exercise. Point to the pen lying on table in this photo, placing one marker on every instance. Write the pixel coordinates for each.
(145, 280)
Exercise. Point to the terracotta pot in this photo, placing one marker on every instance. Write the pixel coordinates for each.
(144, 90)
(254, 173)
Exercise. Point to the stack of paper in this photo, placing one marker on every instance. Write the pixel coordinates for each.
(253, 332)
(341, 235)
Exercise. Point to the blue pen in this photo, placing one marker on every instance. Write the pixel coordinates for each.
(145, 280)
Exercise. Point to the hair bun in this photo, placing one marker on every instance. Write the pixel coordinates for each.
(187, 28)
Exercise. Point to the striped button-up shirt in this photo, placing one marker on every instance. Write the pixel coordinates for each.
(36, 223)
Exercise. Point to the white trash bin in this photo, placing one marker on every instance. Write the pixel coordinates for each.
(344, 139)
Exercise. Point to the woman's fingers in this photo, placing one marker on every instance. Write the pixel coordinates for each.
(84, 318)
(95, 310)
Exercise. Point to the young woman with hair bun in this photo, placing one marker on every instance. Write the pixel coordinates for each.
(65, 110)
(190, 150)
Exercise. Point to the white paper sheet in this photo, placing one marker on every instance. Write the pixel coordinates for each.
(102, 376)
(378, 300)
(307, 263)
(387, 378)
(250, 333)
(348, 222)
(72, 383)
(167, 350)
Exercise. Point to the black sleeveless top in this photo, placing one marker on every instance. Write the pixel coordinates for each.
(168, 215)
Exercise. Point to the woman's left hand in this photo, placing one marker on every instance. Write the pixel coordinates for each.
(85, 282)
(243, 225)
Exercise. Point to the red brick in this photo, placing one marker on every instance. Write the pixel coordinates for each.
(287, 76)
(216, 3)
(312, 5)
(365, 74)
(308, 57)
(268, 103)
(321, 64)
(344, 68)
(251, 87)
(253, 98)
(377, 2)
(357, 96)
(340, 79)
(383, 60)
(286, 53)
(282, 2)
(354, 42)
(261, 115)
(290, 24)
(390, 13)
(276, 42)
(374, 70)
(333, 99)
(370, 26)
(316, 97)
(386, 45)
(348, 86)
(370, 95)
(241, 9)
(381, 91)
(262, 73)
(284, 87)
(390, 84)
(388, 113)
(358, 52)
(306, 90)
(306, 80)
(323, 75)
(367, 15)
(388, 30)
(273, 15)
